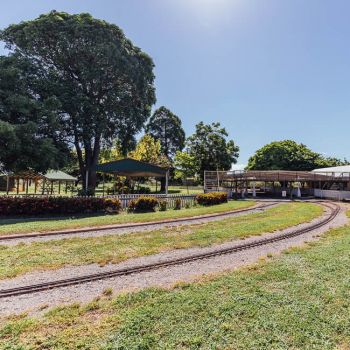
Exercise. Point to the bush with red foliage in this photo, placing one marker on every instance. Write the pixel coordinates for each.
(33, 206)
(211, 198)
(143, 204)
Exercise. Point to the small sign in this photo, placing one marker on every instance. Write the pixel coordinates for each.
(284, 194)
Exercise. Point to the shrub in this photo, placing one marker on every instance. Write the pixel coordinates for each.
(143, 204)
(177, 204)
(131, 206)
(12, 206)
(86, 192)
(212, 198)
(143, 190)
(163, 205)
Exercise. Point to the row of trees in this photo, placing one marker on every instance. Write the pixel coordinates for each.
(74, 88)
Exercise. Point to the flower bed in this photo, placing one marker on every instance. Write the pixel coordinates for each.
(32, 206)
(211, 198)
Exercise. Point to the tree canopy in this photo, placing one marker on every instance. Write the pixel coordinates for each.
(289, 155)
(104, 83)
(211, 149)
(31, 135)
(166, 127)
(149, 150)
(186, 165)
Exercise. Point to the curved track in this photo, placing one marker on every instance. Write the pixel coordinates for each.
(334, 210)
(179, 221)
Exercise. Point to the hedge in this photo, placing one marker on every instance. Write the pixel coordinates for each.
(211, 198)
(13, 206)
(143, 204)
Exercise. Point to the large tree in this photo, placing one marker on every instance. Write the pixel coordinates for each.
(211, 149)
(289, 155)
(166, 127)
(103, 82)
(31, 135)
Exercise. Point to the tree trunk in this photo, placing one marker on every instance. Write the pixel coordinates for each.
(88, 162)
(162, 184)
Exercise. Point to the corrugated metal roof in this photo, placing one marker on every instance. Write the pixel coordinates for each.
(131, 167)
(56, 175)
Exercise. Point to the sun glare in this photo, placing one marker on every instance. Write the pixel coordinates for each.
(209, 11)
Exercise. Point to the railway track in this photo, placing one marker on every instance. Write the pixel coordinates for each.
(24, 236)
(5, 293)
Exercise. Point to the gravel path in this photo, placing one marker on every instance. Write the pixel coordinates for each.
(163, 277)
(139, 228)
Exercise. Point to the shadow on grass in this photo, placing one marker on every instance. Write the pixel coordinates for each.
(19, 220)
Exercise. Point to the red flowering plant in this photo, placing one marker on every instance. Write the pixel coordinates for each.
(33, 206)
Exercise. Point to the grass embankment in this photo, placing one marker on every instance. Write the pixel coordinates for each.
(299, 300)
(23, 258)
(23, 225)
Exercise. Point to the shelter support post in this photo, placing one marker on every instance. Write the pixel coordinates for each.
(254, 189)
(7, 184)
(86, 180)
(166, 182)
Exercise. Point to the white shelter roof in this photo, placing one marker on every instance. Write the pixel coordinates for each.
(343, 170)
(335, 169)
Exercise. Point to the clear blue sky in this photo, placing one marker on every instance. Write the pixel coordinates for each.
(267, 70)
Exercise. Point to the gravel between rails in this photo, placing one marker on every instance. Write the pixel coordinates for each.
(164, 277)
(139, 228)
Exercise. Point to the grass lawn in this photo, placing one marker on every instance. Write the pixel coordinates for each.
(299, 300)
(21, 225)
(23, 258)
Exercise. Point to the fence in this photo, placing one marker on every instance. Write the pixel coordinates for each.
(329, 194)
(188, 199)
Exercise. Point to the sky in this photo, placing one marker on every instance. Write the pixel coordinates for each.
(266, 70)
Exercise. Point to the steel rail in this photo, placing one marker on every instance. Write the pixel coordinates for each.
(5, 293)
(135, 225)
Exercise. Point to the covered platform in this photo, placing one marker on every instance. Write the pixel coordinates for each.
(277, 182)
(22, 182)
(129, 168)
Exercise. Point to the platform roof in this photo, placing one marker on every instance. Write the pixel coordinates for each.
(51, 175)
(58, 175)
(132, 167)
(335, 169)
(276, 175)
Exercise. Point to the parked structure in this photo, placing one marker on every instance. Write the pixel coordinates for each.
(19, 183)
(276, 182)
(129, 168)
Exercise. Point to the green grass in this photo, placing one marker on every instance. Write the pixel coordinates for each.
(299, 300)
(23, 258)
(16, 226)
